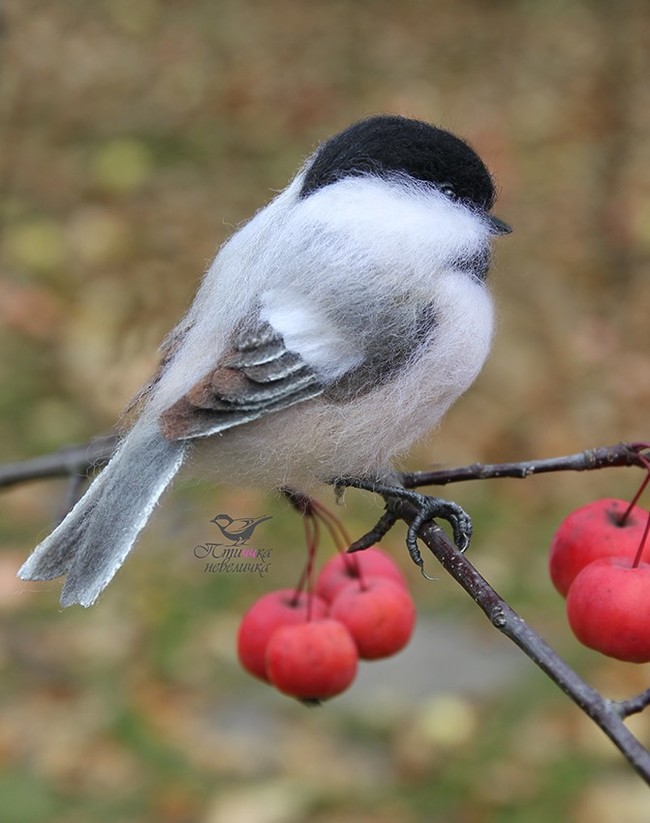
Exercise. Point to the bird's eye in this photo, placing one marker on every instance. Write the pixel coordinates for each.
(448, 190)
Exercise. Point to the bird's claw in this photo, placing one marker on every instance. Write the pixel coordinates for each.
(428, 509)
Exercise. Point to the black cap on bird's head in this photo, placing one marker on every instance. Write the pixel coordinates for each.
(388, 145)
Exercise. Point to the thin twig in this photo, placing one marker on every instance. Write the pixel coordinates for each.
(621, 454)
(73, 460)
(634, 705)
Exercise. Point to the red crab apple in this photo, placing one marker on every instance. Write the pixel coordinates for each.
(608, 607)
(279, 608)
(312, 661)
(592, 532)
(343, 569)
(379, 614)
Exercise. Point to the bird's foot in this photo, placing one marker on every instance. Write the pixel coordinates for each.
(428, 508)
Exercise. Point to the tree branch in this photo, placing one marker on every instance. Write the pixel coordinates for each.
(621, 454)
(69, 461)
(607, 714)
(80, 459)
(634, 705)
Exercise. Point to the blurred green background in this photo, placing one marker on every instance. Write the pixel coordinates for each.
(135, 134)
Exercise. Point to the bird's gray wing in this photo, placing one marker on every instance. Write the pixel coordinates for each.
(256, 377)
(398, 333)
(259, 376)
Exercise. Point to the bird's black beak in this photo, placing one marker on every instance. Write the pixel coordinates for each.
(498, 226)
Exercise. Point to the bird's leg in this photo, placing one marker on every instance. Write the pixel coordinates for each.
(427, 507)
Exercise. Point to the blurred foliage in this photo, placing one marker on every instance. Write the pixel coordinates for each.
(134, 135)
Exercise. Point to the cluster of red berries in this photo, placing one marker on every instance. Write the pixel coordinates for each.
(308, 644)
(595, 563)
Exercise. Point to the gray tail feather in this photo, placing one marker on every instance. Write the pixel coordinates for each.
(92, 542)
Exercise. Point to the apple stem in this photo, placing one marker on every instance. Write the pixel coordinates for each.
(646, 463)
(337, 530)
(359, 574)
(340, 538)
(306, 579)
(310, 507)
(313, 513)
(312, 548)
(644, 539)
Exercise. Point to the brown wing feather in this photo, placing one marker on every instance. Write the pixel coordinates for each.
(256, 377)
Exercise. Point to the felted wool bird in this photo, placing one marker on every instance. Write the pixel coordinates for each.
(330, 333)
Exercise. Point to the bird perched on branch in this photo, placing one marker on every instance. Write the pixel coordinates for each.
(330, 333)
